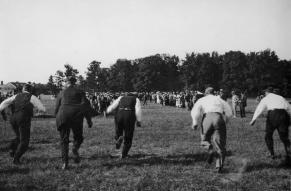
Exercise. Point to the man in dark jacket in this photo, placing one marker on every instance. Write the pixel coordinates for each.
(22, 111)
(71, 108)
(128, 113)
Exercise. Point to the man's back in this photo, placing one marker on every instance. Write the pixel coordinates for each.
(72, 95)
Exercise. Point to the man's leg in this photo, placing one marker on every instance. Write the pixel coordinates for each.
(65, 135)
(219, 142)
(283, 131)
(78, 140)
(24, 132)
(206, 133)
(15, 142)
(269, 135)
(129, 124)
(118, 130)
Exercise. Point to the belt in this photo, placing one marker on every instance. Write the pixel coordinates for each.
(125, 108)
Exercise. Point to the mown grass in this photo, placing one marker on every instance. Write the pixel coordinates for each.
(165, 156)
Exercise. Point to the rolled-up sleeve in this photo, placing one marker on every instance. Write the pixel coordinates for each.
(114, 105)
(196, 112)
(260, 108)
(7, 102)
(227, 109)
(37, 103)
(138, 110)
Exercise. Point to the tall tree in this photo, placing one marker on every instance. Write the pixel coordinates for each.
(70, 71)
(92, 76)
(59, 79)
(51, 85)
(234, 70)
(120, 75)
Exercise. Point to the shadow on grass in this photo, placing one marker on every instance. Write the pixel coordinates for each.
(261, 166)
(146, 159)
(44, 116)
(42, 159)
(6, 148)
(14, 170)
(26, 187)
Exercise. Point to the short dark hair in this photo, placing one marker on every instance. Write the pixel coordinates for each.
(276, 91)
(269, 89)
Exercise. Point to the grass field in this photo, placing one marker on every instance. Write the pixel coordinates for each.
(165, 156)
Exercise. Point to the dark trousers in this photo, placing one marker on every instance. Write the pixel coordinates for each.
(124, 126)
(242, 110)
(64, 130)
(278, 119)
(21, 127)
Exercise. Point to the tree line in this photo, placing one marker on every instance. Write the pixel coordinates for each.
(253, 72)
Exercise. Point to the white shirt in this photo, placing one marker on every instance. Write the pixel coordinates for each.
(115, 104)
(270, 102)
(210, 103)
(34, 100)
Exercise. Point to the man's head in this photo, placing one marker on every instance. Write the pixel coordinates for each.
(268, 90)
(209, 91)
(277, 91)
(27, 88)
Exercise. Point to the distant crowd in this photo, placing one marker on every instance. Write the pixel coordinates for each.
(186, 99)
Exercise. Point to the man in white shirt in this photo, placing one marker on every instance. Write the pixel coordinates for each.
(128, 113)
(22, 112)
(278, 117)
(215, 113)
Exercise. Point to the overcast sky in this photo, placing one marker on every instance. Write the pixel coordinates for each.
(37, 37)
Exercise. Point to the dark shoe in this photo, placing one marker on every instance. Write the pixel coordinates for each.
(11, 153)
(119, 142)
(16, 161)
(272, 156)
(76, 156)
(65, 166)
(219, 170)
(286, 162)
(210, 158)
(124, 156)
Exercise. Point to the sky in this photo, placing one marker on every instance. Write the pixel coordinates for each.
(38, 37)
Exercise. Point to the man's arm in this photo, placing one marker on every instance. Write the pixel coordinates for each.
(138, 112)
(259, 110)
(195, 114)
(114, 105)
(37, 103)
(226, 109)
(58, 103)
(288, 106)
(87, 111)
(7, 102)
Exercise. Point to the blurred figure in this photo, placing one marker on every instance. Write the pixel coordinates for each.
(278, 117)
(223, 94)
(215, 113)
(128, 113)
(243, 104)
(71, 108)
(22, 111)
(235, 102)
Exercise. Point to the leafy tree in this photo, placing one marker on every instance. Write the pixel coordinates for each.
(51, 85)
(70, 71)
(92, 76)
(234, 70)
(59, 79)
(121, 75)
